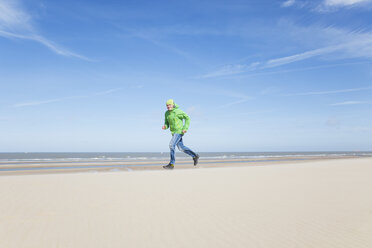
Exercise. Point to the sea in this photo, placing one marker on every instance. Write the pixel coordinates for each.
(160, 156)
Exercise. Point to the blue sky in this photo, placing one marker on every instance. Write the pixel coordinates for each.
(252, 75)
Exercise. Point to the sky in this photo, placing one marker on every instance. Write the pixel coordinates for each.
(259, 75)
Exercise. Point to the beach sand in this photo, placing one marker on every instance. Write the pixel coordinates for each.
(325, 203)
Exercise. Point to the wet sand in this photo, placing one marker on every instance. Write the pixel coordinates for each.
(52, 167)
(304, 203)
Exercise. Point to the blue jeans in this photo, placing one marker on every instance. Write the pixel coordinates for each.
(177, 141)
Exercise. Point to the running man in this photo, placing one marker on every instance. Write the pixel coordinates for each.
(174, 119)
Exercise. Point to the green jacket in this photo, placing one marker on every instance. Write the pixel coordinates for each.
(174, 119)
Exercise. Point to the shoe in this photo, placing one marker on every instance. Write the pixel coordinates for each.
(196, 158)
(169, 166)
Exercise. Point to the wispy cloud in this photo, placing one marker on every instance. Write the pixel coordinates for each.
(344, 2)
(325, 6)
(241, 100)
(329, 92)
(232, 97)
(350, 103)
(36, 103)
(334, 5)
(288, 3)
(309, 68)
(232, 69)
(154, 37)
(302, 56)
(16, 23)
(342, 44)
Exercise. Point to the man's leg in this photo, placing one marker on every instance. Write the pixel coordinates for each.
(172, 146)
(185, 149)
(188, 151)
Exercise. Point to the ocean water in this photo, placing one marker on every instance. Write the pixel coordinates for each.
(156, 156)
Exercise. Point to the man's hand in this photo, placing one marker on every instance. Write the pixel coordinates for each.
(184, 131)
(164, 127)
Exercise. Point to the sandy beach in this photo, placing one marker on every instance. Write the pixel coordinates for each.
(321, 203)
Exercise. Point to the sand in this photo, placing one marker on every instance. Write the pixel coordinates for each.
(314, 204)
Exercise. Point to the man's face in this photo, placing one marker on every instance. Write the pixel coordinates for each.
(169, 106)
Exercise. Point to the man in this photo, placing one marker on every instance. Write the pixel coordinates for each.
(174, 119)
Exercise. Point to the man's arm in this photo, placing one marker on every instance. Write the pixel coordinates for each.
(185, 117)
(166, 123)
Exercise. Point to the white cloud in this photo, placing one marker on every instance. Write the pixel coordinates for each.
(35, 103)
(344, 2)
(150, 36)
(334, 5)
(270, 90)
(233, 97)
(288, 3)
(343, 44)
(350, 103)
(330, 92)
(16, 23)
(300, 56)
(242, 100)
(227, 70)
(336, 44)
(12, 17)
